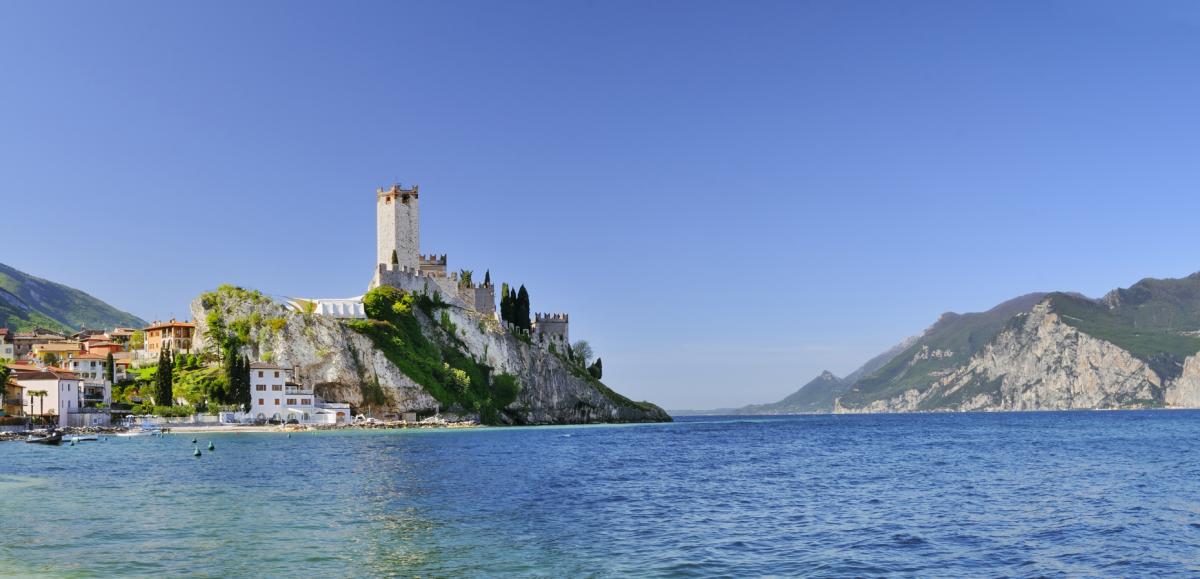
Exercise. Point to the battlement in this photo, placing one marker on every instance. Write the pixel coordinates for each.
(397, 191)
(433, 259)
(550, 317)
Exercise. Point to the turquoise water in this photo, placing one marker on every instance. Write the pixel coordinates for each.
(1084, 493)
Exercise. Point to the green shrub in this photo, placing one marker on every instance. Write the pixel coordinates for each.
(441, 367)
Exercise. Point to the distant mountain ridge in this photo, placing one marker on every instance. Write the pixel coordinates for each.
(27, 301)
(1135, 347)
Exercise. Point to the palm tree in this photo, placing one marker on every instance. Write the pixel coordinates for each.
(41, 396)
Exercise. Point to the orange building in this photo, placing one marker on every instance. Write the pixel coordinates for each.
(174, 335)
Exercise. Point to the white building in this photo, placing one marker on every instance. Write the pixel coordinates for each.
(274, 397)
(344, 308)
(63, 393)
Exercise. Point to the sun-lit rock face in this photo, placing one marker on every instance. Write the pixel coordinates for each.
(1042, 363)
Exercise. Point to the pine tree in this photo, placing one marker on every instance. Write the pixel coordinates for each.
(596, 369)
(110, 371)
(395, 258)
(487, 278)
(522, 309)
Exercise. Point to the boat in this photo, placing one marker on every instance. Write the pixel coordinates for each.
(85, 438)
(137, 433)
(53, 438)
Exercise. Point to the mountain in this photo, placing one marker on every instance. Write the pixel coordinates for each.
(819, 394)
(1135, 347)
(27, 301)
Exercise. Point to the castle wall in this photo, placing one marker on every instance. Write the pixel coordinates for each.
(397, 226)
(552, 326)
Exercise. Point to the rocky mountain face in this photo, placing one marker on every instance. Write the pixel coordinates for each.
(27, 301)
(347, 366)
(1134, 348)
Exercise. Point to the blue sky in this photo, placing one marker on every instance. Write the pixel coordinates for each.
(728, 197)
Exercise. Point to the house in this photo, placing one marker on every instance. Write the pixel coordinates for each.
(122, 335)
(23, 343)
(50, 392)
(83, 334)
(104, 347)
(266, 391)
(56, 351)
(14, 398)
(7, 351)
(93, 367)
(274, 397)
(177, 336)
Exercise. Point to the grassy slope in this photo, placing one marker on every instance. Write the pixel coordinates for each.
(39, 300)
(1152, 330)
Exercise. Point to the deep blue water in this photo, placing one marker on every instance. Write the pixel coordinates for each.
(1080, 493)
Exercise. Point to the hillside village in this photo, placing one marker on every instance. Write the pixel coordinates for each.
(199, 371)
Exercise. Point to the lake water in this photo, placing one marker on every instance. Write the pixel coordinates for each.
(1080, 493)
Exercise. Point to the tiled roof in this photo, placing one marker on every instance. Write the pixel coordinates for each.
(263, 366)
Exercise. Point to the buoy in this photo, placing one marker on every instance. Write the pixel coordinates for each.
(196, 452)
(289, 435)
(72, 442)
(210, 446)
(193, 441)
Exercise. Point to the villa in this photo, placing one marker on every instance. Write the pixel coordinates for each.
(274, 397)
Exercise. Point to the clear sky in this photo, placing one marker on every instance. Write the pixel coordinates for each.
(728, 197)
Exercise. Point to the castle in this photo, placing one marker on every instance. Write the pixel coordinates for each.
(400, 264)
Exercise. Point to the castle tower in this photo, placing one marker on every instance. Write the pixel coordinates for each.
(397, 226)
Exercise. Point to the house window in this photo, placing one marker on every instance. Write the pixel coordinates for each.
(277, 402)
(291, 401)
(260, 402)
(261, 387)
(277, 387)
(305, 401)
(276, 373)
(260, 373)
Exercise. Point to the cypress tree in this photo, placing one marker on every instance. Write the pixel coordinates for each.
(487, 277)
(505, 304)
(163, 391)
(110, 371)
(244, 376)
(596, 369)
(395, 258)
(522, 309)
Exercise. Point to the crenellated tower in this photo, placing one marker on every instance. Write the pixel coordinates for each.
(397, 225)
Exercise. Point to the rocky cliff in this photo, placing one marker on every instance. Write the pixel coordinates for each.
(352, 361)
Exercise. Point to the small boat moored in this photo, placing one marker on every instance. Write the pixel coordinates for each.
(53, 438)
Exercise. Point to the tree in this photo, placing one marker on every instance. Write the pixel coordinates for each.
(137, 340)
(582, 352)
(597, 369)
(505, 304)
(522, 310)
(110, 371)
(487, 278)
(163, 379)
(51, 359)
(41, 396)
(395, 258)
(464, 277)
(4, 372)
(244, 383)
